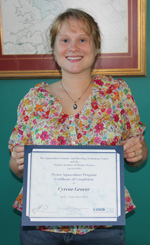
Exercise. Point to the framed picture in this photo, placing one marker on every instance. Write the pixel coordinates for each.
(25, 44)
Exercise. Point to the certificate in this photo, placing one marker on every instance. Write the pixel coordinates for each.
(73, 185)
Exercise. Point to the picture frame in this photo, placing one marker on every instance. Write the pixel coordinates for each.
(130, 63)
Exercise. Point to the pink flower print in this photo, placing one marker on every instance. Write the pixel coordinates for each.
(14, 130)
(99, 82)
(109, 90)
(101, 93)
(128, 199)
(77, 116)
(26, 118)
(128, 125)
(20, 132)
(135, 110)
(97, 140)
(46, 114)
(36, 114)
(79, 136)
(109, 111)
(122, 111)
(103, 142)
(35, 121)
(132, 98)
(130, 208)
(116, 118)
(103, 109)
(118, 105)
(94, 105)
(23, 113)
(99, 127)
(63, 118)
(61, 140)
(115, 141)
(84, 132)
(129, 96)
(42, 90)
(84, 118)
(53, 142)
(44, 135)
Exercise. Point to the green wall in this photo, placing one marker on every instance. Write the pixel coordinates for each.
(137, 181)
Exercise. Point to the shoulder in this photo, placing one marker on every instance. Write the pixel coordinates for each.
(116, 89)
(35, 91)
(33, 95)
(39, 88)
(104, 81)
(110, 85)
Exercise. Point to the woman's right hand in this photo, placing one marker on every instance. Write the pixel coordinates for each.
(17, 160)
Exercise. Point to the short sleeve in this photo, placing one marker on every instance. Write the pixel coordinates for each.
(132, 123)
(21, 134)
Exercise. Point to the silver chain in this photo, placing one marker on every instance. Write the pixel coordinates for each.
(75, 101)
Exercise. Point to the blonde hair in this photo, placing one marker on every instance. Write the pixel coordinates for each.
(91, 27)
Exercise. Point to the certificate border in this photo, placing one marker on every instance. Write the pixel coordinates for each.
(26, 220)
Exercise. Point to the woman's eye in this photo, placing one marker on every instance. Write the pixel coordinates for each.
(82, 40)
(65, 40)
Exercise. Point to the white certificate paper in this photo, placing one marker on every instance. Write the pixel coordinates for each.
(73, 185)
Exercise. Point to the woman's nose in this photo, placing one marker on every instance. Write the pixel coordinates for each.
(73, 45)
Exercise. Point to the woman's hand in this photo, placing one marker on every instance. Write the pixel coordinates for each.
(135, 151)
(17, 160)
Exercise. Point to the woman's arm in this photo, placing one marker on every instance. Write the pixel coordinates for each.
(17, 161)
(135, 151)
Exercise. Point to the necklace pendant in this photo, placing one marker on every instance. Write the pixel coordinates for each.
(75, 106)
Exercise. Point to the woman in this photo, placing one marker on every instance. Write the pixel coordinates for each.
(77, 110)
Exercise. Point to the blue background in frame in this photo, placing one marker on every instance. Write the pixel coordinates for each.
(136, 180)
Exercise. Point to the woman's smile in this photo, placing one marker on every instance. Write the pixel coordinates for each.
(74, 58)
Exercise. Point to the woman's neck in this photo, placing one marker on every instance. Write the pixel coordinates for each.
(76, 82)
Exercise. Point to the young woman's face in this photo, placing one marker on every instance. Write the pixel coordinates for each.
(74, 50)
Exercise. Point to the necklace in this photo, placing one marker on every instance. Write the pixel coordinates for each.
(75, 101)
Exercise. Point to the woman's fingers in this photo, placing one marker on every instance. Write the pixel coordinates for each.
(132, 149)
(18, 156)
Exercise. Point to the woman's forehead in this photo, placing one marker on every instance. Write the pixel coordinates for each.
(74, 25)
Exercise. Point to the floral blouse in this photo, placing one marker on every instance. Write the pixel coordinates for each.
(110, 115)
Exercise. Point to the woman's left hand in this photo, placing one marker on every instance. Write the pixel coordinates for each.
(135, 151)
